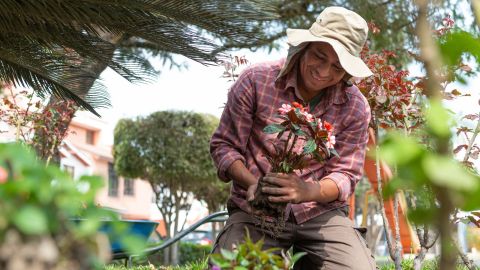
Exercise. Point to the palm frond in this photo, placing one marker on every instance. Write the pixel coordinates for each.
(67, 44)
(22, 75)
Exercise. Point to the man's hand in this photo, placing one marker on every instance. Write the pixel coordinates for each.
(290, 188)
(251, 192)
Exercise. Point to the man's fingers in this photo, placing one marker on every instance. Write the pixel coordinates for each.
(251, 192)
(280, 199)
(278, 175)
(275, 181)
(275, 191)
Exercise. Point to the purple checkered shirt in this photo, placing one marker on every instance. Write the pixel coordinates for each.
(252, 103)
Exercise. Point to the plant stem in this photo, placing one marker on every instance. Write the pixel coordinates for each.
(396, 223)
(386, 224)
(471, 141)
(286, 144)
(295, 137)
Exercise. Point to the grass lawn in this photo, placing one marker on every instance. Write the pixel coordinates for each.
(407, 264)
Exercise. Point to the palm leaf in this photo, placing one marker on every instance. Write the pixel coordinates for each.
(67, 44)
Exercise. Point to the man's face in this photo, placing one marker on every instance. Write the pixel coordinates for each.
(319, 68)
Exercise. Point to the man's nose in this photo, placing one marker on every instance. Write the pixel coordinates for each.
(323, 70)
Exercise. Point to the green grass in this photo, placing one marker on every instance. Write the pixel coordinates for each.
(201, 265)
(407, 264)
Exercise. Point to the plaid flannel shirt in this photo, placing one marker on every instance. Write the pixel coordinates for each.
(253, 101)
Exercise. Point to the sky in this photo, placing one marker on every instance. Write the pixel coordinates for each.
(197, 88)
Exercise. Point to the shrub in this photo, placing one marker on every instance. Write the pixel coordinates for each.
(48, 220)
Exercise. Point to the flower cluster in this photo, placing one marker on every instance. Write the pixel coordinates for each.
(302, 128)
(307, 118)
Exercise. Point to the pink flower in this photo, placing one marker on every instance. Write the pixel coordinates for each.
(3, 175)
(284, 109)
(330, 141)
(319, 124)
(308, 117)
(448, 22)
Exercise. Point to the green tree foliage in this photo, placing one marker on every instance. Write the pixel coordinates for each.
(216, 193)
(171, 151)
(395, 19)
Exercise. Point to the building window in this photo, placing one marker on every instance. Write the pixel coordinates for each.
(112, 181)
(90, 136)
(70, 170)
(128, 187)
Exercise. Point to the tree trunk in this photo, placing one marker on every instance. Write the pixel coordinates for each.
(398, 243)
(174, 256)
(448, 252)
(391, 241)
(418, 260)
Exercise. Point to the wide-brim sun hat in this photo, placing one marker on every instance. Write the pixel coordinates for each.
(344, 30)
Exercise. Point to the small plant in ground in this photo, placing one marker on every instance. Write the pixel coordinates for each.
(251, 256)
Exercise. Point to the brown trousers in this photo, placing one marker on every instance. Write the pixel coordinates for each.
(330, 240)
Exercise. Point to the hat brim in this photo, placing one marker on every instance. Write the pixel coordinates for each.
(353, 65)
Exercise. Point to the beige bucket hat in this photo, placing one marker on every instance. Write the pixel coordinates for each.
(344, 30)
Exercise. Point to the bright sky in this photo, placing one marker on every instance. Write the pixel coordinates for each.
(198, 88)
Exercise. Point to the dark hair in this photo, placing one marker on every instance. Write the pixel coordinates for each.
(346, 79)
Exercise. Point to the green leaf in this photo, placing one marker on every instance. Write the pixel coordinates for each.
(333, 152)
(438, 120)
(392, 186)
(273, 128)
(88, 226)
(133, 243)
(299, 132)
(309, 147)
(31, 220)
(423, 215)
(218, 260)
(240, 268)
(398, 149)
(446, 172)
(229, 255)
(296, 257)
(459, 43)
(471, 201)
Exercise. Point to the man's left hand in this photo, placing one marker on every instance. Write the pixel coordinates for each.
(289, 188)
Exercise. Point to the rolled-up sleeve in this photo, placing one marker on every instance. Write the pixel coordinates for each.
(229, 141)
(347, 169)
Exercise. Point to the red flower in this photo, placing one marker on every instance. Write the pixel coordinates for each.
(297, 105)
(328, 126)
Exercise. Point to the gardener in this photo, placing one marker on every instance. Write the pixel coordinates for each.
(316, 73)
